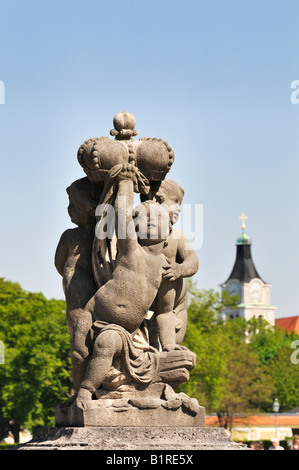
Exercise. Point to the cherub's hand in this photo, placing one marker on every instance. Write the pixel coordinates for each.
(128, 172)
(83, 397)
(171, 270)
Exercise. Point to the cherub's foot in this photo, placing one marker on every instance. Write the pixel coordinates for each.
(83, 396)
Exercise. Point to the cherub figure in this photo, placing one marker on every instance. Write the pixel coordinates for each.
(126, 298)
(181, 260)
(73, 262)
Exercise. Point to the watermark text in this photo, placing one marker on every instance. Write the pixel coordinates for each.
(295, 354)
(151, 221)
(295, 94)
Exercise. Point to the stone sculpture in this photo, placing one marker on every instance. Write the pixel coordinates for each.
(124, 272)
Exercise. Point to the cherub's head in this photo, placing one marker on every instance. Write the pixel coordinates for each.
(83, 200)
(170, 194)
(152, 222)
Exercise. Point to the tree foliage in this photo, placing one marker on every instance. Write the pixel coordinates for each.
(241, 365)
(35, 375)
(205, 337)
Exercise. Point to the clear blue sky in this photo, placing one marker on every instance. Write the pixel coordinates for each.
(212, 77)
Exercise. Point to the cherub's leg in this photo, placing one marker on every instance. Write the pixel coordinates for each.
(107, 345)
(81, 347)
(180, 309)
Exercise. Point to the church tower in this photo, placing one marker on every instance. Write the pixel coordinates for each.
(245, 282)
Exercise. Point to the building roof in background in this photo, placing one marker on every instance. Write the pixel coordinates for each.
(288, 323)
(294, 410)
(283, 419)
(244, 269)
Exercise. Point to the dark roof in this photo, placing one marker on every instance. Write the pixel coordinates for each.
(244, 269)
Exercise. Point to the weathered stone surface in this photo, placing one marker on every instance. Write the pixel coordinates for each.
(115, 274)
(126, 298)
(131, 438)
(156, 405)
(135, 411)
(120, 413)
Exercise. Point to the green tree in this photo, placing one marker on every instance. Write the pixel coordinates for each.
(286, 379)
(273, 345)
(228, 377)
(206, 338)
(267, 340)
(36, 375)
(250, 386)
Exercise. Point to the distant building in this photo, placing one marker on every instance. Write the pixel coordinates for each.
(288, 324)
(262, 426)
(244, 281)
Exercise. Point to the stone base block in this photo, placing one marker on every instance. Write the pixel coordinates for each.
(158, 405)
(148, 438)
(122, 414)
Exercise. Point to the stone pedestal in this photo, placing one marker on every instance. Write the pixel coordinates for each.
(156, 405)
(150, 438)
(147, 420)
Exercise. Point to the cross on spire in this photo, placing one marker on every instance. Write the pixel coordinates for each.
(243, 217)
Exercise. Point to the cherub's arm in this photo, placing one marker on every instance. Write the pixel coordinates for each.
(186, 257)
(125, 228)
(62, 251)
(186, 263)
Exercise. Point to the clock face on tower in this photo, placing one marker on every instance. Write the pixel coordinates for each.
(255, 290)
(233, 288)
